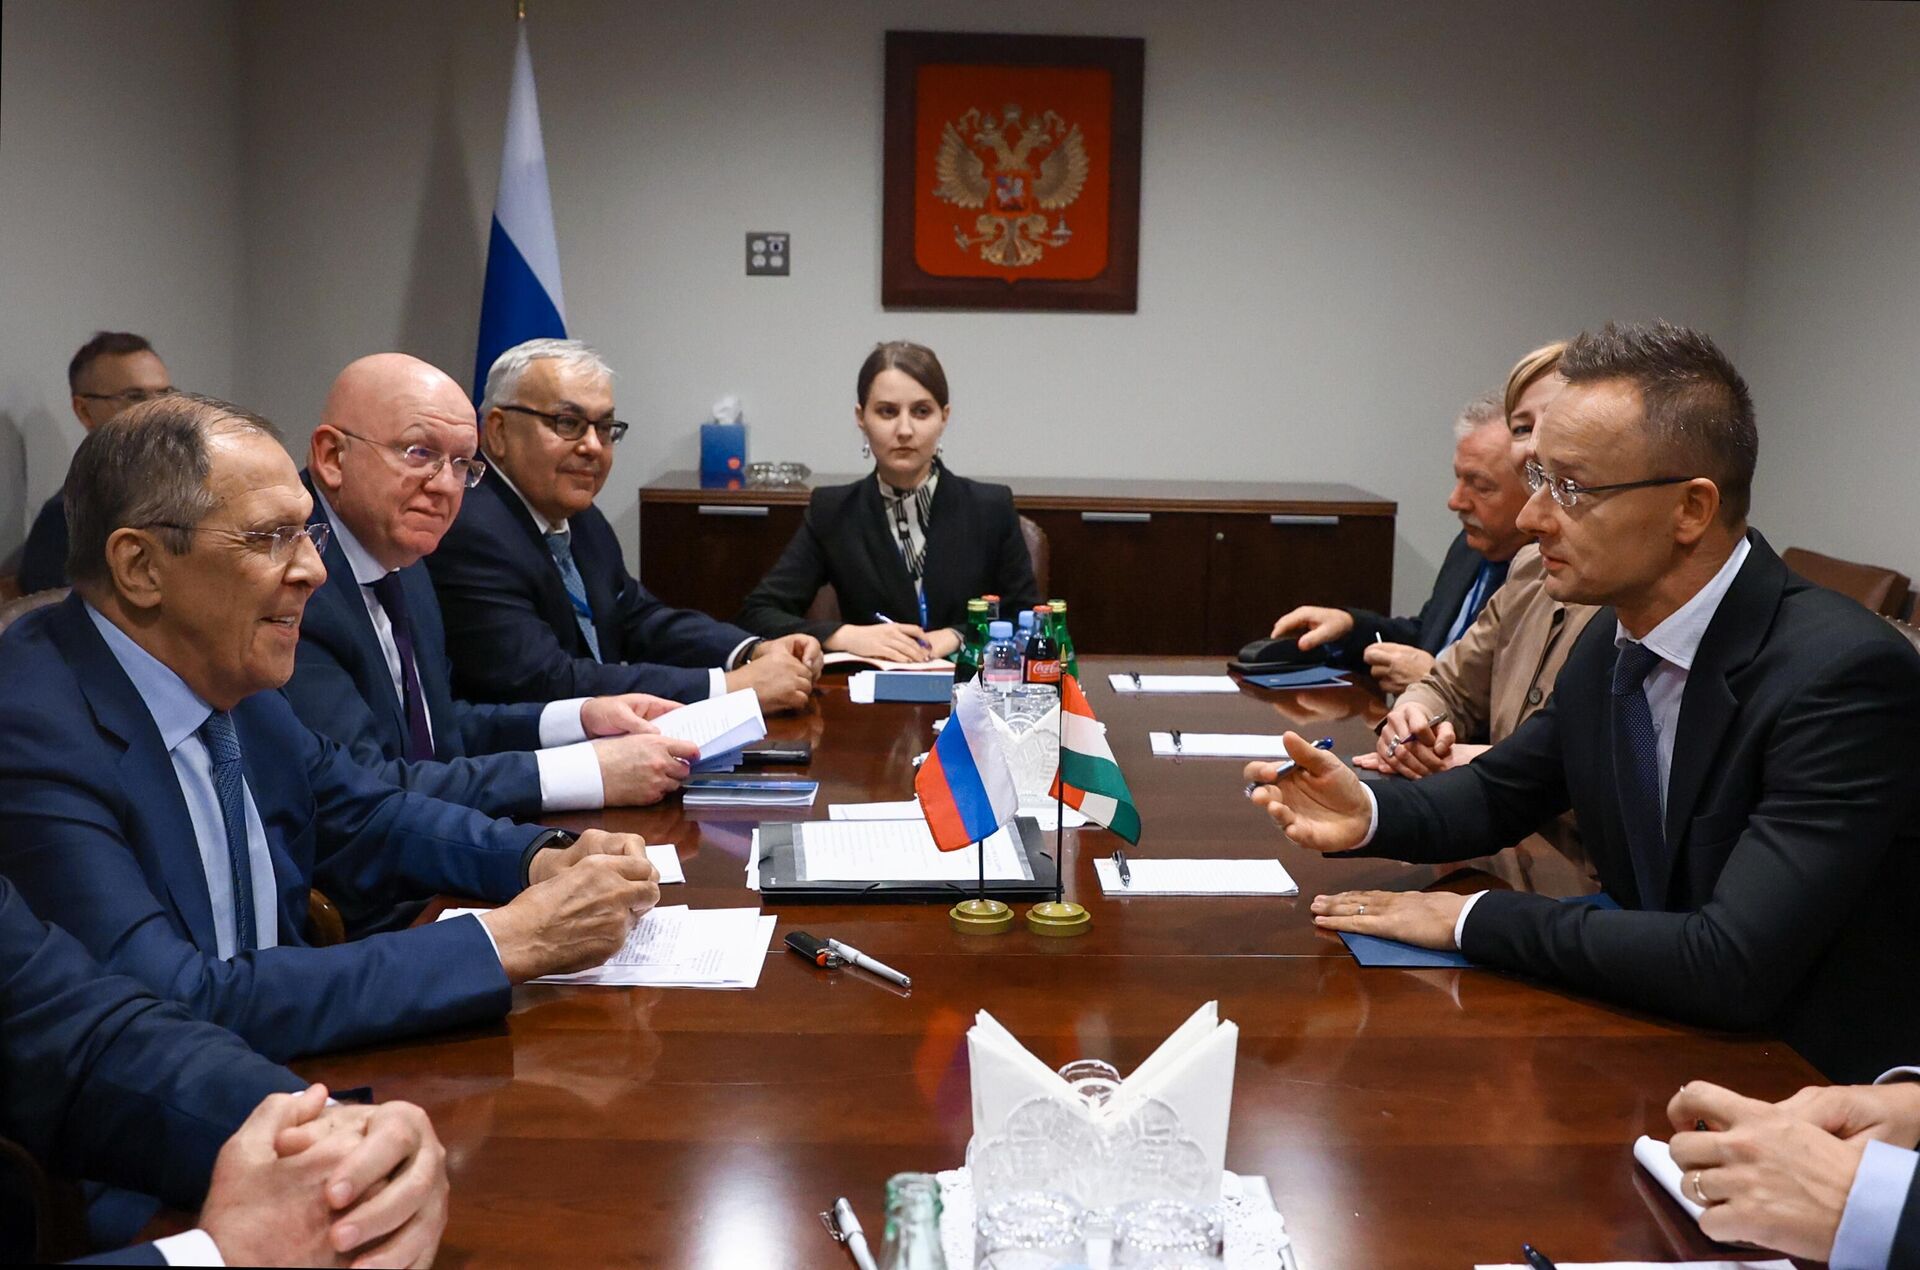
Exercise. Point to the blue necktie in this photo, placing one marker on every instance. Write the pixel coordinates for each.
(561, 546)
(223, 746)
(1486, 580)
(1636, 769)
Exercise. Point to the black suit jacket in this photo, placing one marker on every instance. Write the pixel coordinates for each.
(1906, 1237)
(511, 630)
(1429, 628)
(1790, 809)
(482, 754)
(43, 560)
(974, 548)
(101, 1079)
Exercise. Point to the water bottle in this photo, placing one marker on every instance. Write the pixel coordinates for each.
(912, 1239)
(1000, 669)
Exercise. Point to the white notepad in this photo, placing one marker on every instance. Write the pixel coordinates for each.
(899, 851)
(1197, 877)
(1172, 683)
(1217, 745)
(679, 947)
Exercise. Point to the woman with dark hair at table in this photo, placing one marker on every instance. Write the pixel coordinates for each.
(906, 547)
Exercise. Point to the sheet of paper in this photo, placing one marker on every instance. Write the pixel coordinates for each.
(898, 851)
(666, 858)
(908, 810)
(1779, 1264)
(1196, 877)
(679, 947)
(1217, 745)
(855, 659)
(1657, 1158)
(1153, 684)
(718, 725)
(1042, 814)
(860, 688)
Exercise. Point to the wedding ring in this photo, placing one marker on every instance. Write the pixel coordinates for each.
(1361, 909)
(1693, 1184)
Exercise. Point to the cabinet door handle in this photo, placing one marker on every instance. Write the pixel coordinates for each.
(1116, 518)
(1303, 520)
(733, 509)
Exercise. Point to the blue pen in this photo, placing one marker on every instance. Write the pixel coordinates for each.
(882, 617)
(1324, 743)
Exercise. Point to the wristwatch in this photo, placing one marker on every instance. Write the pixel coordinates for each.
(558, 839)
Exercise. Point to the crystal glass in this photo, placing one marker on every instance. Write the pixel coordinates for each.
(1091, 1078)
(1165, 1234)
(777, 475)
(1032, 1230)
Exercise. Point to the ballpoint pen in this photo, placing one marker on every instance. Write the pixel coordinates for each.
(1535, 1258)
(1120, 863)
(1395, 742)
(882, 617)
(1281, 769)
(845, 1228)
(868, 964)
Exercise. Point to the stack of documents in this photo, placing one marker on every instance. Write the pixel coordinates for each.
(892, 851)
(854, 661)
(1197, 877)
(720, 726)
(902, 684)
(731, 791)
(680, 947)
(1216, 745)
(910, 810)
(1153, 684)
(1191, 1072)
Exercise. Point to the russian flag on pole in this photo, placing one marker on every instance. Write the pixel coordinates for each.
(966, 788)
(521, 300)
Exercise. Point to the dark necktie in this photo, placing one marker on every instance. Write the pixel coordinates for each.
(393, 598)
(1486, 580)
(223, 747)
(561, 545)
(1636, 769)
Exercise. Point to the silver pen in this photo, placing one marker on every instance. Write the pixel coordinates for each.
(845, 1228)
(1395, 742)
(868, 964)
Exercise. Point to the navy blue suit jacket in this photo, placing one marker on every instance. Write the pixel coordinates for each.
(101, 1079)
(43, 560)
(1428, 628)
(511, 629)
(95, 833)
(1788, 903)
(482, 754)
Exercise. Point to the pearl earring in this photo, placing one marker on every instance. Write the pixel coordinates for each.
(866, 450)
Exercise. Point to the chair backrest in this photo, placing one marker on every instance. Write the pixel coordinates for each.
(1882, 590)
(325, 926)
(13, 610)
(9, 587)
(826, 604)
(1912, 633)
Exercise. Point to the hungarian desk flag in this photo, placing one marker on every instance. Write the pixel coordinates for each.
(521, 300)
(966, 788)
(1088, 777)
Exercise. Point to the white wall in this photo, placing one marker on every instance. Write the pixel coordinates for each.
(1354, 217)
(119, 208)
(1831, 337)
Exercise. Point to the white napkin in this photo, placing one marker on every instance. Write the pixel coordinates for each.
(1191, 1072)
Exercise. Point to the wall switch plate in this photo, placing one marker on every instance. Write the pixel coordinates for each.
(768, 253)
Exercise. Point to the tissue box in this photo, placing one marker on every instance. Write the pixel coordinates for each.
(723, 455)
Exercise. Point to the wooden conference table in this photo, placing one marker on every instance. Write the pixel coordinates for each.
(1405, 1118)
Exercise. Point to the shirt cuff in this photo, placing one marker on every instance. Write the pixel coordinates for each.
(1460, 922)
(1898, 1073)
(738, 657)
(570, 778)
(1373, 817)
(1871, 1218)
(491, 941)
(189, 1248)
(716, 682)
(560, 723)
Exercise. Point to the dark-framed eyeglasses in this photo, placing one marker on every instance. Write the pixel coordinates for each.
(130, 397)
(425, 461)
(279, 543)
(571, 427)
(1568, 493)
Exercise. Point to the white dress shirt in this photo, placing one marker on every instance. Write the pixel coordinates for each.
(716, 676)
(569, 768)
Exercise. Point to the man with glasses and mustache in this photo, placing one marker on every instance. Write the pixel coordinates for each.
(1739, 745)
(388, 466)
(110, 372)
(538, 601)
(160, 800)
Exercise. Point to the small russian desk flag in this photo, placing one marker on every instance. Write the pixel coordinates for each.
(966, 788)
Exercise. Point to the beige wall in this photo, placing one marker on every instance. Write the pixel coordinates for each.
(119, 207)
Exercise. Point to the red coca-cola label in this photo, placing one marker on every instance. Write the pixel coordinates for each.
(1043, 670)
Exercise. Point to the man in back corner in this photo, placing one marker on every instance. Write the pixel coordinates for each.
(538, 601)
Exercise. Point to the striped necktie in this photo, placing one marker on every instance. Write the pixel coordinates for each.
(561, 545)
(223, 747)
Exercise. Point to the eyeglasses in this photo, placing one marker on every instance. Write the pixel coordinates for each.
(571, 427)
(278, 543)
(427, 461)
(131, 397)
(1568, 493)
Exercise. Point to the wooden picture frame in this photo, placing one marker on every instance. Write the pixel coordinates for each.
(992, 202)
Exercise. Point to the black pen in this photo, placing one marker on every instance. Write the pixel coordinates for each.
(1120, 863)
(1535, 1258)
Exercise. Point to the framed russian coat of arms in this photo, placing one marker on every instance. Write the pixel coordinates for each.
(1012, 174)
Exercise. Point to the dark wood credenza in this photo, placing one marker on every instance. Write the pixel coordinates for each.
(1169, 567)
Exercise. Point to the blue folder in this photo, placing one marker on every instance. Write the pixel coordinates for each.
(912, 685)
(1371, 950)
(1311, 677)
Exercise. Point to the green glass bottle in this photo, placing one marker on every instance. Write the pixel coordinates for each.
(1069, 662)
(966, 662)
(912, 1240)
